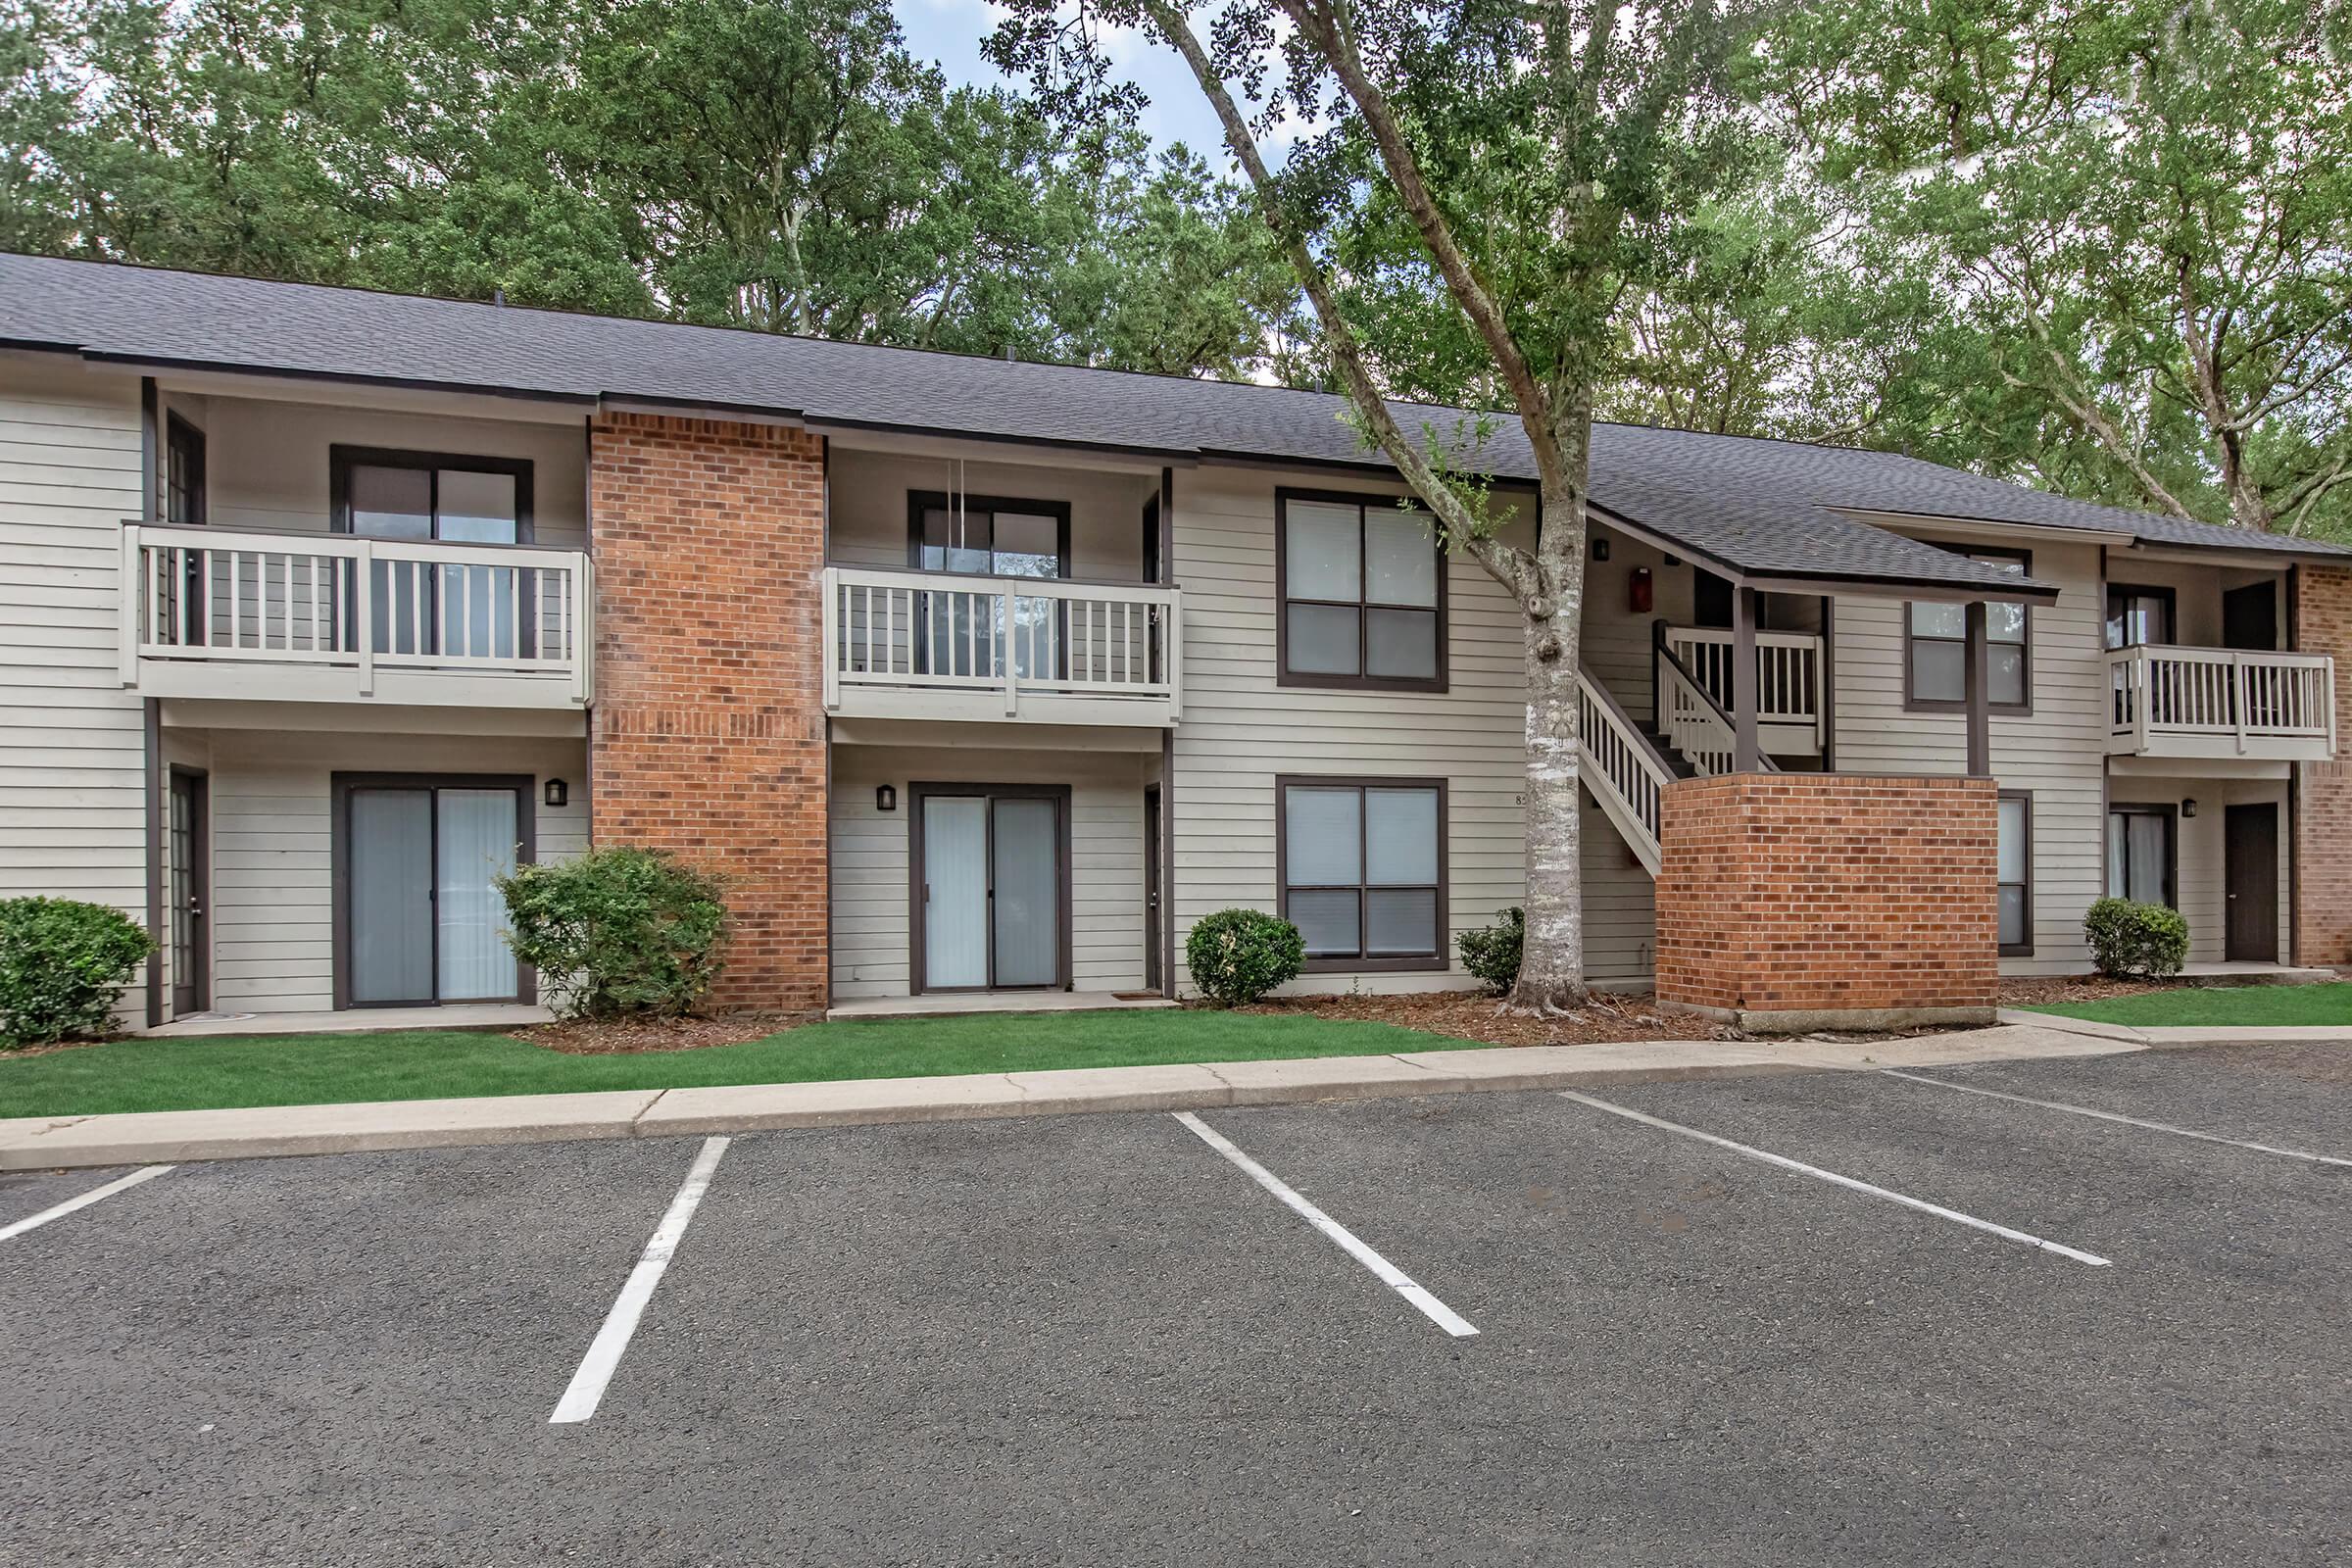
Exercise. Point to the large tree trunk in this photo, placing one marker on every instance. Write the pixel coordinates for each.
(1552, 968)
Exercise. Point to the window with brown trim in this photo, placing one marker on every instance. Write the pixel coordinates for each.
(2142, 846)
(183, 473)
(2015, 822)
(2139, 618)
(1362, 863)
(1361, 584)
(391, 494)
(1936, 645)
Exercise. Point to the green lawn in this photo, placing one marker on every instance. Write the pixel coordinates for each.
(435, 1064)
(2229, 1006)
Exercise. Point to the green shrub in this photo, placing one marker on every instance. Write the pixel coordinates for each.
(1492, 952)
(62, 967)
(2131, 940)
(1237, 956)
(621, 930)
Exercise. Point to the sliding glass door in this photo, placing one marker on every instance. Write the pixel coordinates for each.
(991, 873)
(422, 921)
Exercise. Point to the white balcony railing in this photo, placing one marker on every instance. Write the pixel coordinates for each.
(940, 645)
(1787, 672)
(2219, 702)
(1620, 767)
(212, 613)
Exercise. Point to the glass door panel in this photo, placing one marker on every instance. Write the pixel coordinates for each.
(955, 892)
(1028, 883)
(476, 844)
(391, 872)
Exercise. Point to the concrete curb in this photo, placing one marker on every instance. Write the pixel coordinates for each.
(43, 1143)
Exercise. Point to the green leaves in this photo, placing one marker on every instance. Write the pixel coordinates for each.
(63, 964)
(786, 165)
(619, 930)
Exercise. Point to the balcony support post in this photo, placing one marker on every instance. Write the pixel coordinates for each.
(1977, 680)
(1747, 756)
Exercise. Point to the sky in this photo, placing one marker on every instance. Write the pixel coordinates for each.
(950, 31)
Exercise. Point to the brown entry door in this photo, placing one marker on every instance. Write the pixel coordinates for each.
(2253, 849)
(191, 895)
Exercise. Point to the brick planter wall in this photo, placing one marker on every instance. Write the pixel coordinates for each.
(1785, 897)
(708, 734)
(2322, 848)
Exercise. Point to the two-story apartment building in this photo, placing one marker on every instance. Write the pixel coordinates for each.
(321, 607)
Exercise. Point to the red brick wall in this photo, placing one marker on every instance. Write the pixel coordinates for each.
(708, 729)
(2322, 847)
(1795, 892)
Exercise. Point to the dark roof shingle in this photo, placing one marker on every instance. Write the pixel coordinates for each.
(1765, 508)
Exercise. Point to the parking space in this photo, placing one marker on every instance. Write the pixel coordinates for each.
(1115, 1339)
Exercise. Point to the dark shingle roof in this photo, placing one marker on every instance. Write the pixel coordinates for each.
(1765, 508)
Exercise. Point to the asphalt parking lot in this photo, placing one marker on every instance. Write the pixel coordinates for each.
(1105, 1338)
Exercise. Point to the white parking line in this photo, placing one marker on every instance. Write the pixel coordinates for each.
(1847, 1182)
(145, 1173)
(1388, 1273)
(2109, 1116)
(579, 1400)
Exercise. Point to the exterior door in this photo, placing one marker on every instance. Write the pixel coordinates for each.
(1152, 980)
(420, 915)
(2251, 928)
(990, 887)
(190, 831)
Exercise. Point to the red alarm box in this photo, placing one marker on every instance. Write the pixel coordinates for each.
(1639, 593)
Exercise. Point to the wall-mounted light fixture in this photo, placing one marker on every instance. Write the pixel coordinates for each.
(2189, 808)
(886, 798)
(557, 791)
(1601, 547)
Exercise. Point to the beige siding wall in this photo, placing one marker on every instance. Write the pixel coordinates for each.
(272, 910)
(872, 939)
(2056, 752)
(867, 508)
(1241, 730)
(72, 793)
(266, 462)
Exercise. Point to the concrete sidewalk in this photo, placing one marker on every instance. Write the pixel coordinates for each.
(2180, 1033)
(40, 1143)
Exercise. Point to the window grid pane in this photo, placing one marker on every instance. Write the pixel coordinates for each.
(1323, 545)
(1360, 870)
(1401, 562)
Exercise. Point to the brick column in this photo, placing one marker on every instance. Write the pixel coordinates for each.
(2322, 848)
(1800, 900)
(708, 727)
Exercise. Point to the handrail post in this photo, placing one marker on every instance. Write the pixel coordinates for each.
(583, 629)
(2143, 690)
(1004, 602)
(831, 617)
(133, 576)
(2238, 696)
(1171, 630)
(363, 565)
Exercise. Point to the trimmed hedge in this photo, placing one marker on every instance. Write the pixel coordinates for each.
(617, 931)
(1492, 952)
(63, 963)
(2136, 940)
(1237, 956)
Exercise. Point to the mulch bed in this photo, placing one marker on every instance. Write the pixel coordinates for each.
(1469, 1016)
(2080, 988)
(582, 1036)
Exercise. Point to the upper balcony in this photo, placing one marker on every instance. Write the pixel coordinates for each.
(2220, 703)
(956, 645)
(211, 613)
